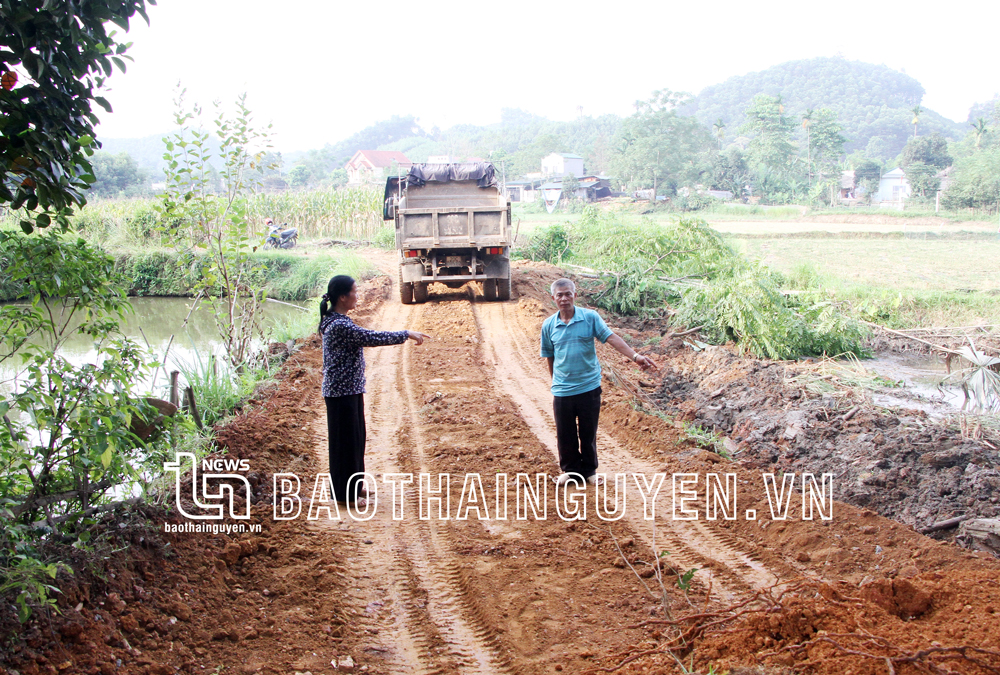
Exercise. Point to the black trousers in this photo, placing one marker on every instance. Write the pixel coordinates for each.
(345, 423)
(576, 431)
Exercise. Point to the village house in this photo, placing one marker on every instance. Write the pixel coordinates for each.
(371, 166)
(847, 190)
(893, 189)
(559, 164)
(524, 189)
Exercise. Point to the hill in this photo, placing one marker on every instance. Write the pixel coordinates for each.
(871, 101)
(146, 151)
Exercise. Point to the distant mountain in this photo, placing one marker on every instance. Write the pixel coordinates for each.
(988, 110)
(870, 101)
(147, 151)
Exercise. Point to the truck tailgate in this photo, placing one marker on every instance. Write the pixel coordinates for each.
(474, 226)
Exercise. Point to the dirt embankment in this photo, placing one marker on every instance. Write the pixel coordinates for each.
(902, 465)
(497, 595)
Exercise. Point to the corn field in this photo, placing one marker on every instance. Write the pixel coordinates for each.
(345, 213)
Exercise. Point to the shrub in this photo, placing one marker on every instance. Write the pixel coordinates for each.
(550, 244)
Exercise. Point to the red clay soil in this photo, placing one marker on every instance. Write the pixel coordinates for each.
(860, 593)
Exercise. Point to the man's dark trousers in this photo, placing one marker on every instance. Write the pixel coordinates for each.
(576, 431)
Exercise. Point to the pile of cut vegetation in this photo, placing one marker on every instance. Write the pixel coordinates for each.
(686, 270)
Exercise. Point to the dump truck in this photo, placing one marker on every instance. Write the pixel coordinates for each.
(452, 227)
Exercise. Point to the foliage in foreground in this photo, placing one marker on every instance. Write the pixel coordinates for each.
(66, 448)
(646, 265)
(67, 51)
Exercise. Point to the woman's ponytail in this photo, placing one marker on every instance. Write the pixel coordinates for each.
(339, 286)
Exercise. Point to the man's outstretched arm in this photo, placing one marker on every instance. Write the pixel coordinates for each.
(644, 362)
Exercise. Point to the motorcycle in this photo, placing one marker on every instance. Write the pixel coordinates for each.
(279, 237)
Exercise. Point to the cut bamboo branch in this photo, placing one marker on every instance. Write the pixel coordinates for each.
(288, 304)
(944, 524)
(911, 337)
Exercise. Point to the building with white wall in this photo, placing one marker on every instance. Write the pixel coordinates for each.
(561, 164)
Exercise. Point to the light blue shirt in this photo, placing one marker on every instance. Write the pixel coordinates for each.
(575, 368)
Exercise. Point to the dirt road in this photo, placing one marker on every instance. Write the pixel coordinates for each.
(399, 593)
(492, 596)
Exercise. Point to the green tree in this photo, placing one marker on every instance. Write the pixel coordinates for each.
(980, 127)
(65, 439)
(216, 234)
(529, 157)
(826, 144)
(719, 127)
(337, 178)
(975, 181)
(570, 185)
(922, 159)
(657, 146)
(877, 149)
(917, 110)
(867, 175)
(729, 172)
(117, 175)
(771, 143)
(807, 118)
(47, 121)
(299, 176)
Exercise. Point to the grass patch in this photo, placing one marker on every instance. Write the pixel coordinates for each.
(298, 325)
(896, 283)
(219, 390)
(895, 264)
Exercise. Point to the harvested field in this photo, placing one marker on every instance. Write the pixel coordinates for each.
(862, 593)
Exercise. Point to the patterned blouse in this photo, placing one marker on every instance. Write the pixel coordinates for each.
(343, 360)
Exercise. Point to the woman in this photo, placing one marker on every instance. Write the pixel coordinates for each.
(344, 383)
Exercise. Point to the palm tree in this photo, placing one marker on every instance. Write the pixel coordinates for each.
(720, 130)
(980, 126)
(806, 123)
(916, 118)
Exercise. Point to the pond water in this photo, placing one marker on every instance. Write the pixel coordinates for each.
(158, 319)
(926, 387)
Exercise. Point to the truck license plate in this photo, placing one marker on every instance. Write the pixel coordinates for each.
(454, 261)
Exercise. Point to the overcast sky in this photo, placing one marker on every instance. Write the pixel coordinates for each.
(321, 70)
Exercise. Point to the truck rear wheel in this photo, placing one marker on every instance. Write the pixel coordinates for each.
(420, 292)
(490, 289)
(405, 290)
(503, 288)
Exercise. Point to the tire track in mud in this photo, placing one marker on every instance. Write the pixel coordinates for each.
(520, 374)
(425, 625)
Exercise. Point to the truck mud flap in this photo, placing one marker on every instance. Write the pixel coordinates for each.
(497, 268)
(411, 273)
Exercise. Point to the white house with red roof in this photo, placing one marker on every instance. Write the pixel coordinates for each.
(370, 166)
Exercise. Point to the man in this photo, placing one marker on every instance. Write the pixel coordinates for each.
(568, 345)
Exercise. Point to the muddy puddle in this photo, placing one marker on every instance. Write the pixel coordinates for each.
(921, 382)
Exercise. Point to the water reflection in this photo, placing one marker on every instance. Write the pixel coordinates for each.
(159, 319)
